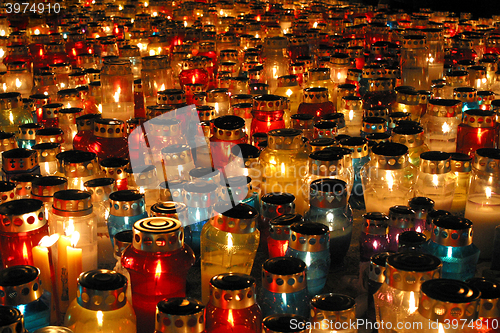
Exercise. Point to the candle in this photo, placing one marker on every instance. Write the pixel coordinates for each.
(74, 261)
(42, 258)
(62, 273)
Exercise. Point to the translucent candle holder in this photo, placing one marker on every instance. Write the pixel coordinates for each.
(117, 82)
(477, 130)
(353, 114)
(402, 218)
(374, 237)
(189, 311)
(412, 136)
(279, 234)
(340, 307)
(461, 165)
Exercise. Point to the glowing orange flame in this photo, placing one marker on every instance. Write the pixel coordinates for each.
(48, 241)
(25, 252)
(75, 237)
(193, 79)
(158, 270)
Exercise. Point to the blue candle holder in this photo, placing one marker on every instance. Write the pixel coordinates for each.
(360, 156)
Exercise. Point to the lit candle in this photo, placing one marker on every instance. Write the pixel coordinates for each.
(74, 258)
(62, 272)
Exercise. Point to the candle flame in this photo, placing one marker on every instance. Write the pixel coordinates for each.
(70, 229)
(440, 328)
(289, 93)
(48, 241)
(315, 25)
(63, 85)
(446, 128)
(11, 117)
(146, 4)
(99, 315)
(142, 190)
(25, 252)
(390, 180)
(18, 83)
(37, 32)
(257, 36)
(193, 79)
(275, 71)
(158, 270)
(75, 237)
(435, 181)
(216, 106)
(412, 304)
(221, 12)
(162, 87)
(2, 32)
(2, 52)
(285, 31)
(229, 241)
(117, 95)
(351, 114)
(185, 24)
(152, 52)
(283, 168)
(488, 192)
(230, 318)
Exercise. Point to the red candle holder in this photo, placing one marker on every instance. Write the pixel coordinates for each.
(158, 262)
(85, 127)
(279, 234)
(268, 112)
(316, 103)
(227, 132)
(193, 71)
(477, 130)
(109, 139)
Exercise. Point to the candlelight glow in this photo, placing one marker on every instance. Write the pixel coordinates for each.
(2, 53)
(70, 230)
(18, 83)
(229, 240)
(48, 241)
(75, 237)
(117, 95)
(230, 318)
(193, 79)
(440, 328)
(99, 315)
(37, 32)
(283, 168)
(285, 31)
(216, 106)
(158, 270)
(275, 71)
(412, 303)
(25, 252)
(351, 114)
(390, 180)
(2, 32)
(146, 4)
(142, 190)
(435, 181)
(185, 24)
(162, 87)
(11, 117)
(488, 192)
(63, 85)
(289, 93)
(152, 52)
(446, 128)
(315, 25)
(99, 107)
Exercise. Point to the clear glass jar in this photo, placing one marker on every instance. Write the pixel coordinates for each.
(414, 65)
(388, 178)
(436, 53)
(277, 297)
(328, 200)
(13, 319)
(194, 71)
(332, 306)
(47, 160)
(26, 135)
(380, 93)
(321, 78)
(284, 322)
(12, 113)
(279, 234)
(230, 312)
(227, 247)
(316, 103)
(398, 298)
(402, 219)
(468, 97)
(374, 237)
(436, 180)
(483, 200)
(72, 212)
(486, 316)
(158, 269)
(18, 78)
(33, 303)
(448, 296)
(78, 167)
(461, 165)
(314, 252)
(62, 72)
(303, 122)
(19, 161)
(156, 75)
(132, 54)
(117, 85)
(276, 60)
(178, 309)
(451, 241)
(67, 122)
(352, 109)
(412, 136)
(284, 165)
(441, 124)
(114, 314)
(288, 86)
(421, 206)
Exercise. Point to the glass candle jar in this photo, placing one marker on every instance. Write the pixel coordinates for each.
(380, 93)
(156, 75)
(461, 165)
(114, 314)
(47, 160)
(283, 164)
(26, 135)
(194, 71)
(32, 302)
(359, 157)
(229, 242)
(280, 297)
(117, 84)
(230, 312)
(122, 240)
(305, 123)
(441, 124)
(435, 179)
(18, 78)
(116, 168)
(126, 208)
(340, 311)
(408, 101)
(352, 109)
(421, 206)
(448, 296)
(79, 167)
(314, 252)
(289, 323)
(12, 113)
(276, 60)
(19, 161)
(72, 212)
(43, 189)
(67, 122)
(12, 319)
(388, 178)
(26, 226)
(477, 130)
(375, 280)
(328, 200)
(412, 241)
(483, 200)
(288, 86)
(279, 234)
(109, 139)
(273, 205)
(397, 299)
(451, 242)
(325, 129)
(414, 64)
(170, 313)
(51, 134)
(227, 132)
(268, 113)
(489, 295)
(316, 103)
(468, 97)
(412, 136)
(177, 162)
(374, 237)
(158, 269)
(23, 185)
(401, 219)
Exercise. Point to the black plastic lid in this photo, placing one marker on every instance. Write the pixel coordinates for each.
(325, 124)
(489, 289)
(329, 185)
(49, 181)
(285, 323)
(24, 177)
(491, 153)
(240, 211)
(7, 186)
(353, 141)
(407, 130)
(10, 315)
(49, 131)
(452, 222)
(126, 236)
(460, 157)
(374, 120)
(390, 149)
(326, 155)
(102, 279)
(421, 203)
(433, 215)
(89, 116)
(99, 182)
(310, 228)
(245, 150)
(46, 145)
(380, 259)
(30, 126)
(114, 162)
(229, 123)
(18, 275)
(332, 116)
(126, 195)
(20, 207)
(302, 116)
(284, 266)
(343, 151)
(333, 302)
(286, 220)
(179, 306)
(278, 198)
(173, 184)
(203, 172)
(71, 195)
(76, 156)
(287, 132)
(232, 281)
(200, 187)
(414, 262)
(411, 239)
(321, 142)
(435, 156)
(6, 135)
(18, 153)
(401, 210)
(452, 291)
